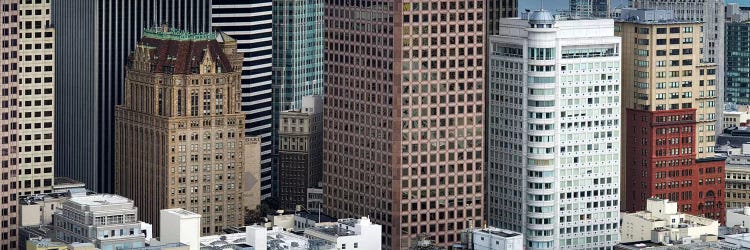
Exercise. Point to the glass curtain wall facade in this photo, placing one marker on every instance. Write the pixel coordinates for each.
(297, 59)
(738, 63)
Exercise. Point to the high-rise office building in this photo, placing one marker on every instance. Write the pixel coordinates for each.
(404, 116)
(94, 40)
(589, 8)
(35, 97)
(179, 138)
(9, 124)
(499, 9)
(737, 63)
(250, 22)
(711, 14)
(300, 152)
(553, 128)
(297, 61)
(670, 112)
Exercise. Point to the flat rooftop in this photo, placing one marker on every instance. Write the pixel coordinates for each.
(335, 231)
(182, 213)
(100, 200)
(65, 181)
(500, 232)
(314, 217)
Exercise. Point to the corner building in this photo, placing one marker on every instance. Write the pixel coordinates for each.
(669, 109)
(179, 133)
(554, 123)
(404, 116)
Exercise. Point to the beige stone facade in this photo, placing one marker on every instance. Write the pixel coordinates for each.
(668, 74)
(670, 111)
(251, 176)
(9, 125)
(179, 140)
(36, 98)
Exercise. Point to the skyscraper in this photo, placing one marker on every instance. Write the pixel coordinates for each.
(250, 22)
(94, 40)
(670, 111)
(738, 62)
(9, 126)
(179, 133)
(553, 128)
(589, 8)
(404, 116)
(713, 32)
(499, 9)
(35, 96)
(297, 58)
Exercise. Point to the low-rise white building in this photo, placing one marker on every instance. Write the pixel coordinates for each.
(490, 239)
(738, 217)
(108, 221)
(348, 234)
(181, 226)
(662, 223)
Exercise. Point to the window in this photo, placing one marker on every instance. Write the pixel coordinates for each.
(194, 103)
(541, 53)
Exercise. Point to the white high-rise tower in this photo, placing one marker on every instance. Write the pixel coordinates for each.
(553, 134)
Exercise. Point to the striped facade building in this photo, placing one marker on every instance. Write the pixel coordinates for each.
(250, 23)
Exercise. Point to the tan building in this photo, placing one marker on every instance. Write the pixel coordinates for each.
(45, 244)
(35, 97)
(251, 176)
(738, 176)
(9, 125)
(669, 110)
(180, 132)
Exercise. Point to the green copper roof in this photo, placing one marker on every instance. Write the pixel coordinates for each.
(164, 33)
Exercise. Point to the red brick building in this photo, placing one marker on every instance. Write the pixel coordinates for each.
(662, 163)
(669, 109)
